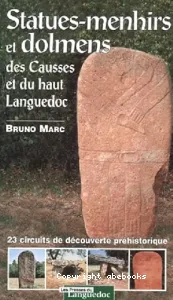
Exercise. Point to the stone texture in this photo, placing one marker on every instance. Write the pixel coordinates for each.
(26, 263)
(61, 266)
(124, 129)
(149, 264)
(103, 269)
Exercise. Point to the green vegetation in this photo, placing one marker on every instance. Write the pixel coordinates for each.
(14, 271)
(19, 182)
(40, 266)
(37, 151)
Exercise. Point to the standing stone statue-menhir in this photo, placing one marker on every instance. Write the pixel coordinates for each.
(26, 263)
(148, 264)
(124, 133)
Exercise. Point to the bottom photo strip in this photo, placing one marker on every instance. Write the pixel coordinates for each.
(56, 268)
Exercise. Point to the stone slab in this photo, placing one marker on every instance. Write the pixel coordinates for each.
(26, 263)
(149, 264)
(124, 134)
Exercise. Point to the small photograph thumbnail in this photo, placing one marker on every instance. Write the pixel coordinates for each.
(65, 267)
(108, 267)
(26, 268)
(148, 269)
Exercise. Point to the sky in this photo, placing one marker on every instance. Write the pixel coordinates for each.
(38, 253)
(72, 255)
(98, 252)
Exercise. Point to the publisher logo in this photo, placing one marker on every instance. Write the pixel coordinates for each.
(88, 292)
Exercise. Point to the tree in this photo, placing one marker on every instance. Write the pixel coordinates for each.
(13, 270)
(53, 253)
(40, 267)
(59, 253)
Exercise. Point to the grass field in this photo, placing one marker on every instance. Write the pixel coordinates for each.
(95, 270)
(39, 283)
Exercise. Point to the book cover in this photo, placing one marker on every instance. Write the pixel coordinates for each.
(85, 149)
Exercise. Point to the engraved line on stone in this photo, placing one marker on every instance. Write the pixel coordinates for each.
(120, 101)
(150, 92)
(136, 91)
(126, 121)
(167, 92)
(127, 91)
(131, 157)
(152, 85)
(137, 82)
(126, 162)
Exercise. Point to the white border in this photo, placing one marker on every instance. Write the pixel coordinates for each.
(128, 268)
(68, 248)
(23, 248)
(165, 269)
(86, 274)
(117, 249)
(87, 249)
